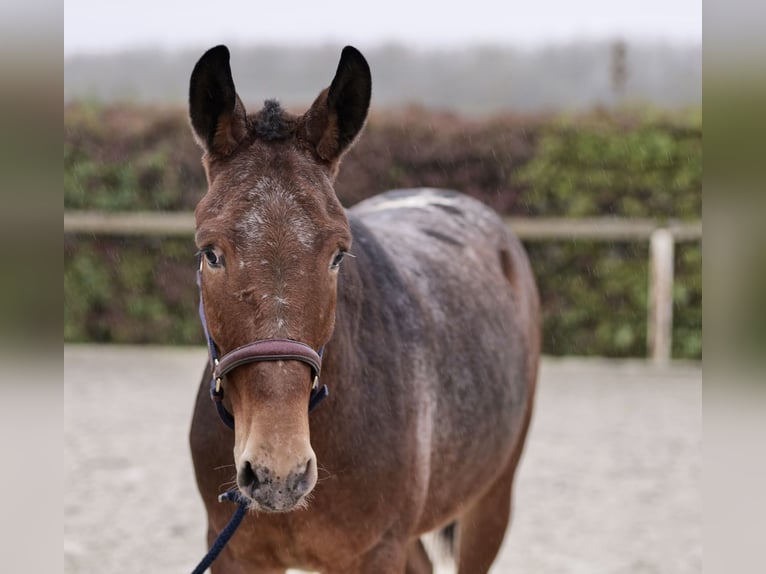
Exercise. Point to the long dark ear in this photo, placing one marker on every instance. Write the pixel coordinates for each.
(216, 112)
(338, 114)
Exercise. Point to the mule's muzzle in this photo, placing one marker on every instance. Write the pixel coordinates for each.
(275, 493)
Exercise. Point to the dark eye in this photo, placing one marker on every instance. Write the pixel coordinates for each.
(337, 259)
(212, 258)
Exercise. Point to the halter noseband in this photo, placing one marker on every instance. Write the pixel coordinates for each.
(257, 351)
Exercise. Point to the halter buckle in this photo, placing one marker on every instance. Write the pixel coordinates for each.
(218, 379)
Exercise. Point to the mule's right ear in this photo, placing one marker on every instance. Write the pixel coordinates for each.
(217, 115)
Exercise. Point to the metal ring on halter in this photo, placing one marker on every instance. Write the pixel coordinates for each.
(218, 380)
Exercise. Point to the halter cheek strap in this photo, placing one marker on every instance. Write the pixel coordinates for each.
(257, 351)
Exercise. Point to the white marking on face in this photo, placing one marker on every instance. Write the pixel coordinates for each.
(281, 304)
(275, 228)
(270, 196)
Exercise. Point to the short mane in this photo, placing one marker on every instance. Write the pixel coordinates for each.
(272, 123)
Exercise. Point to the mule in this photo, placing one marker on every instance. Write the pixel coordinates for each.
(430, 334)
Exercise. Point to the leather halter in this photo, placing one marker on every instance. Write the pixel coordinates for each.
(257, 351)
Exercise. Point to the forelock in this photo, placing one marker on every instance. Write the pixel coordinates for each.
(272, 123)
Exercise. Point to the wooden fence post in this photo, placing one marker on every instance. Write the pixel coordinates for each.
(659, 334)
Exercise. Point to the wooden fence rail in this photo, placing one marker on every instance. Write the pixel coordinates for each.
(662, 238)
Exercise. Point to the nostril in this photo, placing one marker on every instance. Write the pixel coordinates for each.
(247, 477)
(309, 469)
(304, 480)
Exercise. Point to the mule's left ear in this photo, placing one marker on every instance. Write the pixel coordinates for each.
(338, 114)
(216, 112)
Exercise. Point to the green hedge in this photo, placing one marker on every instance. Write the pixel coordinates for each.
(594, 293)
(604, 167)
(130, 291)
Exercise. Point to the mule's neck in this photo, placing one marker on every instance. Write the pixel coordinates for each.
(377, 318)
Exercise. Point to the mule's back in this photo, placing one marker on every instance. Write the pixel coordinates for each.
(470, 290)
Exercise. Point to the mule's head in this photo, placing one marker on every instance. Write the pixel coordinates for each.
(272, 234)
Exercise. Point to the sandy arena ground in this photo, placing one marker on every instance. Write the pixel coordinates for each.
(609, 483)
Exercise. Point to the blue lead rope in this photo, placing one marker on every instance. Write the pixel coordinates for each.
(227, 532)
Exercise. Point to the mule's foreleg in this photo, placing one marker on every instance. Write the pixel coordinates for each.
(418, 561)
(389, 555)
(481, 528)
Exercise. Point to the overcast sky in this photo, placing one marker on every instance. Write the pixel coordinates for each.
(93, 26)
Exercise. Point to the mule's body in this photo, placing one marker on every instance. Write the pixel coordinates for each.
(431, 368)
